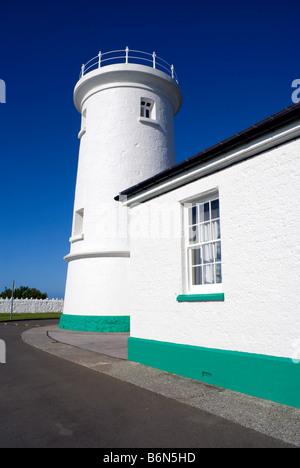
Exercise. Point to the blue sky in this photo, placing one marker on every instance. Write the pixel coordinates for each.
(235, 62)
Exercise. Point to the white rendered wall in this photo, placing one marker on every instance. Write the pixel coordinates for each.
(96, 288)
(117, 151)
(259, 206)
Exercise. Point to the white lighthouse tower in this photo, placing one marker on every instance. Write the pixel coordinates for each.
(127, 100)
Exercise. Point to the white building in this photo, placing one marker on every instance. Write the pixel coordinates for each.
(212, 256)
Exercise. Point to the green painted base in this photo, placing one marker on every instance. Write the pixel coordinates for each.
(95, 323)
(268, 377)
(200, 297)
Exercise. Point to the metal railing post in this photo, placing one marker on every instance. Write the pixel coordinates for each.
(99, 59)
(82, 70)
(154, 55)
(172, 70)
(126, 50)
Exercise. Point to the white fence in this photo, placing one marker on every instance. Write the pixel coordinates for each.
(31, 305)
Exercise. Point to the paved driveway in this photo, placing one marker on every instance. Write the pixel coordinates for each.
(46, 401)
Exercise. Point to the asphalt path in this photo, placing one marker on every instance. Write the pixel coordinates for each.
(49, 402)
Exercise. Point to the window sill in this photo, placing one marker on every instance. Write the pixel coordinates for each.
(200, 297)
(81, 133)
(77, 237)
(145, 120)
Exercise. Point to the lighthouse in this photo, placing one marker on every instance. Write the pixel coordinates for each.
(127, 100)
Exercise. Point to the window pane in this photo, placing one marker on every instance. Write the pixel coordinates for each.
(196, 275)
(196, 257)
(204, 212)
(218, 273)
(208, 253)
(193, 215)
(208, 274)
(143, 103)
(215, 229)
(193, 235)
(215, 209)
(204, 243)
(205, 232)
(217, 251)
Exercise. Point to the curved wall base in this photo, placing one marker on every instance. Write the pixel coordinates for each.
(94, 323)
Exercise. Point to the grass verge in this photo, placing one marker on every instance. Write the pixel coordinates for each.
(32, 316)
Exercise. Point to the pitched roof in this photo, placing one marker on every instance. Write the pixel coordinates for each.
(285, 116)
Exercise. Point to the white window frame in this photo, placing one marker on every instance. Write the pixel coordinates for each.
(148, 112)
(78, 226)
(83, 124)
(147, 108)
(215, 287)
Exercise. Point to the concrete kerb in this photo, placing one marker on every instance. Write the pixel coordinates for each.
(105, 354)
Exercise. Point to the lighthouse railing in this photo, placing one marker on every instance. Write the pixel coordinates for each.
(128, 56)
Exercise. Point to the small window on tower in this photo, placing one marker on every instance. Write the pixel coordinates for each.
(147, 108)
(83, 124)
(78, 221)
(77, 233)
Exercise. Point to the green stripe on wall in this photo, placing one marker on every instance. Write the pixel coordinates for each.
(269, 377)
(95, 323)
